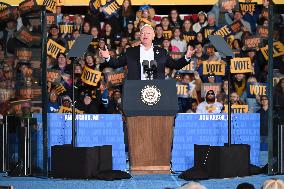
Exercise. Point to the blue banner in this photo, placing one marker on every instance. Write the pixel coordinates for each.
(211, 129)
(92, 130)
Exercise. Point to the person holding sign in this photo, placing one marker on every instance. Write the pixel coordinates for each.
(209, 105)
(135, 57)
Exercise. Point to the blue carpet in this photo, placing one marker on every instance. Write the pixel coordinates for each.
(137, 182)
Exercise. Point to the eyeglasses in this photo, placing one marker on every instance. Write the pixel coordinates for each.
(264, 99)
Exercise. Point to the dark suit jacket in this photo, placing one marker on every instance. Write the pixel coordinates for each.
(131, 59)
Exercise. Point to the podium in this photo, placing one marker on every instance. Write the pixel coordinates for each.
(150, 107)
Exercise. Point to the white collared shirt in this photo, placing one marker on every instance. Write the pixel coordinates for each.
(145, 55)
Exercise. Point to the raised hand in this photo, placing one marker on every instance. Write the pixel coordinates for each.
(190, 51)
(104, 53)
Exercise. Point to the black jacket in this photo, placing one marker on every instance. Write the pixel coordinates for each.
(131, 59)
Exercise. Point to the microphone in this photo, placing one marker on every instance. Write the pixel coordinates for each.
(153, 65)
(145, 64)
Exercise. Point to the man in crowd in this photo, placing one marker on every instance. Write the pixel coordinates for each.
(209, 105)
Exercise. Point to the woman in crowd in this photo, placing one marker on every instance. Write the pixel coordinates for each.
(126, 13)
(188, 34)
(108, 35)
(239, 83)
(177, 41)
(237, 44)
(199, 38)
(167, 45)
(167, 32)
(202, 22)
(251, 100)
(86, 28)
(175, 20)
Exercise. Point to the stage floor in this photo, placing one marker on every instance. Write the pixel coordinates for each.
(137, 182)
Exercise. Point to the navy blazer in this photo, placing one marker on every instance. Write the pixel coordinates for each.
(131, 59)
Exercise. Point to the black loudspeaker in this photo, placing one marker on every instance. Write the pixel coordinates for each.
(223, 161)
(80, 162)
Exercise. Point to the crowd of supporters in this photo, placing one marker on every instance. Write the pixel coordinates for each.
(118, 32)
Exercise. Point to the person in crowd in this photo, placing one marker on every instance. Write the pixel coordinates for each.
(129, 30)
(237, 44)
(177, 41)
(224, 91)
(49, 62)
(188, 34)
(211, 78)
(273, 184)
(115, 105)
(124, 43)
(93, 18)
(199, 38)
(53, 105)
(146, 51)
(245, 185)
(167, 32)
(116, 40)
(278, 98)
(167, 45)
(209, 105)
(65, 19)
(251, 18)
(192, 185)
(185, 103)
(59, 15)
(256, 67)
(108, 35)
(239, 83)
(95, 41)
(202, 22)
(54, 35)
(251, 101)
(126, 13)
(70, 40)
(235, 99)
(62, 65)
(78, 22)
(77, 74)
(89, 105)
(159, 38)
(209, 28)
(175, 20)
(66, 101)
(91, 61)
(237, 16)
(7, 34)
(145, 15)
(263, 111)
(194, 105)
(86, 28)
